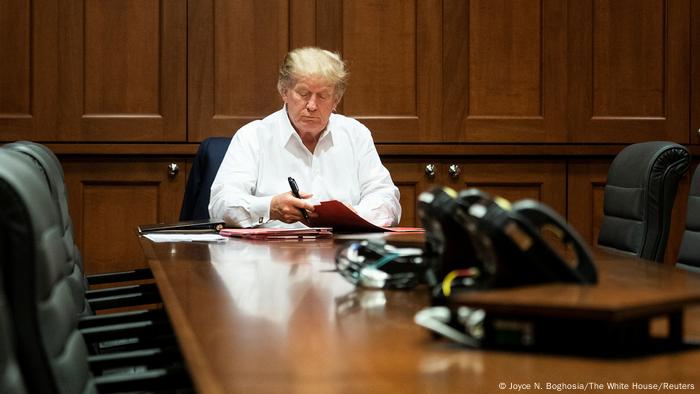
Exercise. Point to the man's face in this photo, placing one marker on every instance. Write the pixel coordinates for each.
(310, 103)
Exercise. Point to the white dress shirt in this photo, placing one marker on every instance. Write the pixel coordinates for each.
(344, 166)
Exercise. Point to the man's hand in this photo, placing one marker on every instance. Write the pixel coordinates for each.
(287, 208)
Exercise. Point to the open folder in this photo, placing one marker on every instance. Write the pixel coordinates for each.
(338, 216)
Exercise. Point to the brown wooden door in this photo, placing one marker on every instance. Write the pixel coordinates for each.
(628, 70)
(108, 199)
(504, 71)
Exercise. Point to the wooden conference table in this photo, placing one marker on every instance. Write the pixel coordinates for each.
(256, 316)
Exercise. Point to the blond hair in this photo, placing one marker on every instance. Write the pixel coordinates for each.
(313, 62)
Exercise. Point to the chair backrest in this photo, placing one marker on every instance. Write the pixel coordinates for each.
(639, 195)
(204, 168)
(11, 379)
(51, 167)
(689, 254)
(50, 349)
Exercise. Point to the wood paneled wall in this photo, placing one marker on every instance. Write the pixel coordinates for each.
(506, 90)
(439, 71)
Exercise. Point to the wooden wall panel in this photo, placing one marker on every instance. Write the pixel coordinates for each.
(628, 67)
(28, 70)
(409, 177)
(695, 73)
(389, 46)
(511, 179)
(393, 51)
(123, 69)
(586, 185)
(514, 180)
(235, 49)
(109, 198)
(409, 216)
(122, 207)
(384, 66)
(15, 49)
(244, 74)
(122, 77)
(504, 71)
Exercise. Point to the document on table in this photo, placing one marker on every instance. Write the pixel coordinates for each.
(184, 237)
(337, 215)
(278, 233)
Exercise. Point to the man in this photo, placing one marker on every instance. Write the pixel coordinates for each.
(329, 155)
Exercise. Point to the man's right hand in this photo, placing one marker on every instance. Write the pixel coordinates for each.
(287, 208)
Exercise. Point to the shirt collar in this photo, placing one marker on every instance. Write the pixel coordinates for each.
(288, 133)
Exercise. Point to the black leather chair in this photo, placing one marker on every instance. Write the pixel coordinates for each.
(689, 254)
(106, 332)
(87, 299)
(204, 168)
(50, 350)
(639, 195)
(11, 378)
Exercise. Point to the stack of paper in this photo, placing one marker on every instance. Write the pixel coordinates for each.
(185, 237)
(278, 233)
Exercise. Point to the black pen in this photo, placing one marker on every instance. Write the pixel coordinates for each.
(295, 192)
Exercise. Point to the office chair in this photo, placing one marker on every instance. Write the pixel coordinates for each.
(11, 378)
(135, 329)
(96, 299)
(689, 254)
(639, 195)
(50, 350)
(195, 204)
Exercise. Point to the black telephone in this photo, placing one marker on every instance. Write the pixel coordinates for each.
(486, 242)
(448, 246)
(475, 242)
(509, 244)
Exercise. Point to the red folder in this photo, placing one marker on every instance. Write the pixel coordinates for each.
(337, 215)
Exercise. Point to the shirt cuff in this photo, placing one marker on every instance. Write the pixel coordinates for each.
(260, 210)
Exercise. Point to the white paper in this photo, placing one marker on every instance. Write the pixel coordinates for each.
(170, 237)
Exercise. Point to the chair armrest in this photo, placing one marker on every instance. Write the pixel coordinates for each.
(122, 276)
(150, 380)
(142, 331)
(105, 300)
(136, 359)
(121, 290)
(121, 317)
